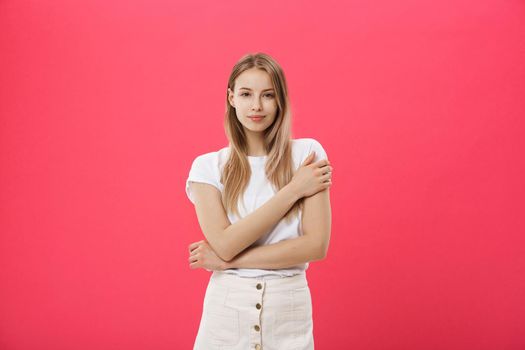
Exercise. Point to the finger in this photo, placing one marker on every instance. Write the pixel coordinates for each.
(195, 251)
(321, 163)
(326, 177)
(194, 265)
(309, 158)
(194, 245)
(327, 169)
(192, 258)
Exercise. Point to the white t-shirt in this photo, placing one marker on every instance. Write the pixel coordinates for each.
(207, 168)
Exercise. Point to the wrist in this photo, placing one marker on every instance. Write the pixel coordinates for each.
(227, 265)
(292, 191)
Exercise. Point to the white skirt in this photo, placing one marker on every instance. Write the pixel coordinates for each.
(254, 313)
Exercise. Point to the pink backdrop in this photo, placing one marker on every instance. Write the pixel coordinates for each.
(419, 105)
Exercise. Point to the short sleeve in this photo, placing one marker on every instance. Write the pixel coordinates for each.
(320, 153)
(204, 169)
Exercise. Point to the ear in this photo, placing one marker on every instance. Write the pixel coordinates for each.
(230, 97)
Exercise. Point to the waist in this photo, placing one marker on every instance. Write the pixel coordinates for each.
(249, 283)
(267, 274)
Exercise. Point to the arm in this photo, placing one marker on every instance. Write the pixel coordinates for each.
(278, 255)
(227, 239)
(312, 245)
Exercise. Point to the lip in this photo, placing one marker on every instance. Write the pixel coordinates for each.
(256, 118)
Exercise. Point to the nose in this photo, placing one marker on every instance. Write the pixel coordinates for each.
(256, 104)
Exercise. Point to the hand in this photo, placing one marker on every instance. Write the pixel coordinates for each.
(203, 256)
(312, 178)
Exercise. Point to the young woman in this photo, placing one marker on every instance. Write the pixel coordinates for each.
(264, 208)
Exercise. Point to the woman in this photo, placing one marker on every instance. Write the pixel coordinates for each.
(264, 209)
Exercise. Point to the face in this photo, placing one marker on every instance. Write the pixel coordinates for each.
(254, 95)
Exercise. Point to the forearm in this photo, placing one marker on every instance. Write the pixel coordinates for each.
(244, 232)
(279, 255)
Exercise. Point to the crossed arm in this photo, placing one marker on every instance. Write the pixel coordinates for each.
(229, 244)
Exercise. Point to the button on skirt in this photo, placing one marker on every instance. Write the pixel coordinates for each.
(242, 313)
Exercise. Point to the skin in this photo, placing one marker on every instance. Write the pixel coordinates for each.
(257, 99)
(228, 245)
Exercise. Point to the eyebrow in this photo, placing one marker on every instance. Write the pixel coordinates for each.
(245, 88)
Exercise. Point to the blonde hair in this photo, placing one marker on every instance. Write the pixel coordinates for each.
(278, 142)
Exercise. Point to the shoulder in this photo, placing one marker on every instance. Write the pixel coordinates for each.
(305, 143)
(205, 157)
(203, 162)
(205, 168)
(210, 159)
(302, 147)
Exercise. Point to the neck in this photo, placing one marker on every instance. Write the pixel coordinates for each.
(255, 142)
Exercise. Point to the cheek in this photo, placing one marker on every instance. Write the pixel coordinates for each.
(243, 104)
(270, 105)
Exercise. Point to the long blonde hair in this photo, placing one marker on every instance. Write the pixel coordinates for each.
(278, 142)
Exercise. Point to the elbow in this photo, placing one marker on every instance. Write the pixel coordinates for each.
(224, 254)
(317, 249)
(227, 257)
(227, 253)
(321, 250)
(321, 253)
(221, 246)
(222, 251)
(318, 252)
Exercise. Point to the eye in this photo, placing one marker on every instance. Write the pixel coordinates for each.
(267, 95)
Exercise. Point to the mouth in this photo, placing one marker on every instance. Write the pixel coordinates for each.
(256, 117)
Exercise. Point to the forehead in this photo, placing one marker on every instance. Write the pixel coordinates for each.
(254, 79)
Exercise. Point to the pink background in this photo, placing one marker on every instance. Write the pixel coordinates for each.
(419, 105)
